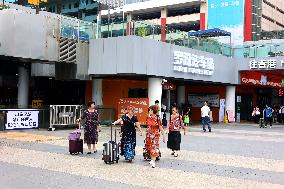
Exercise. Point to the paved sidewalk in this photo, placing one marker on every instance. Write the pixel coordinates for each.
(232, 156)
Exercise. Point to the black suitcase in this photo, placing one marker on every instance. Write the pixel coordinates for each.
(111, 150)
(76, 146)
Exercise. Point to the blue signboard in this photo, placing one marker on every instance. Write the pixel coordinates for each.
(227, 15)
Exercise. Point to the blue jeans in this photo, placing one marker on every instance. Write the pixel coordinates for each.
(206, 121)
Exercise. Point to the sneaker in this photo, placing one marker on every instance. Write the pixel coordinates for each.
(210, 130)
(89, 152)
(204, 130)
(270, 127)
(153, 165)
(173, 153)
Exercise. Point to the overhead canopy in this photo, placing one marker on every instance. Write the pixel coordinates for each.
(209, 33)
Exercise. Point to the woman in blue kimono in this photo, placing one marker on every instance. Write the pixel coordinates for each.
(128, 138)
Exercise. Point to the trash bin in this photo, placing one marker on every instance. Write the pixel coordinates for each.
(2, 121)
(261, 123)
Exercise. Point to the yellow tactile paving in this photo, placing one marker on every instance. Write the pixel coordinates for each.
(27, 137)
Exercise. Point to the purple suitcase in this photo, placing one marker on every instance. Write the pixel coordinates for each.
(76, 146)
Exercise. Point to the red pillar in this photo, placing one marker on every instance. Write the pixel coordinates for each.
(202, 21)
(163, 29)
(248, 21)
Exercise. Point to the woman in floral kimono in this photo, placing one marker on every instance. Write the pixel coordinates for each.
(174, 125)
(153, 134)
(92, 126)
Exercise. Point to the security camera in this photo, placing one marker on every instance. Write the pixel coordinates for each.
(164, 81)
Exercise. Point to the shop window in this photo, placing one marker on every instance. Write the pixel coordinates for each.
(137, 93)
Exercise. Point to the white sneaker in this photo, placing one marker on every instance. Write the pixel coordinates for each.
(270, 127)
(153, 164)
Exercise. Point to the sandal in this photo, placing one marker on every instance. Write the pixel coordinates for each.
(95, 151)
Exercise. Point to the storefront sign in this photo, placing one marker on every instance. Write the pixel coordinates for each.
(139, 106)
(21, 120)
(265, 64)
(37, 103)
(261, 79)
(194, 64)
(169, 86)
(197, 100)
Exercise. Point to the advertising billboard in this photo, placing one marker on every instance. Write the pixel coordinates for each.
(227, 15)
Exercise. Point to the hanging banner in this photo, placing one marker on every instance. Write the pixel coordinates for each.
(21, 120)
(139, 105)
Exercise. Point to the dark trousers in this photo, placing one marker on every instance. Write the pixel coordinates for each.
(206, 121)
(268, 119)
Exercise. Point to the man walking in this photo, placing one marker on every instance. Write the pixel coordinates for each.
(205, 110)
(267, 112)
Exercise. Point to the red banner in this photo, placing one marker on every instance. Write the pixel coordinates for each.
(261, 79)
(139, 105)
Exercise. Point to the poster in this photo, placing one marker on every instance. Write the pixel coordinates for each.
(197, 100)
(21, 120)
(227, 15)
(140, 106)
(222, 110)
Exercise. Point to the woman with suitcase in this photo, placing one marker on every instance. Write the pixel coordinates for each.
(128, 134)
(92, 126)
(174, 137)
(153, 134)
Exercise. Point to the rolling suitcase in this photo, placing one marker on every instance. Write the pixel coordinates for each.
(75, 143)
(111, 150)
(76, 146)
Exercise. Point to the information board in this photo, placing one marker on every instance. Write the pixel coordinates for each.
(21, 120)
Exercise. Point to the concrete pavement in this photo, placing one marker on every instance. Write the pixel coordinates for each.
(232, 156)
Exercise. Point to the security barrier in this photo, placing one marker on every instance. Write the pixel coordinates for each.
(64, 115)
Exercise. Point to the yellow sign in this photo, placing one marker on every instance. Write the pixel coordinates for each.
(37, 103)
(36, 2)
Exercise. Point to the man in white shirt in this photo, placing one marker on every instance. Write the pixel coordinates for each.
(205, 111)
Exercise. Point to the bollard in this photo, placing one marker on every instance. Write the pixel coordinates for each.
(261, 123)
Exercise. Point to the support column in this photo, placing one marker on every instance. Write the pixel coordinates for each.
(98, 28)
(155, 90)
(23, 87)
(164, 14)
(129, 24)
(230, 99)
(169, 99)
(180, 95)
(97, 91)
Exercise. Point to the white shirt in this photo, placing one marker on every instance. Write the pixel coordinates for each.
(205, 111)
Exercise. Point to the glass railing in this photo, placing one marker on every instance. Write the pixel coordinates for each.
(73, 28)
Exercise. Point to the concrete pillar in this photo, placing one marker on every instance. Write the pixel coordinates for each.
(164, 14)
(169, 99)
(23, 87)
(180, 95)
(230, 99)
(129, 25)
(155, 90)
(97, 91)
(98, 27)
